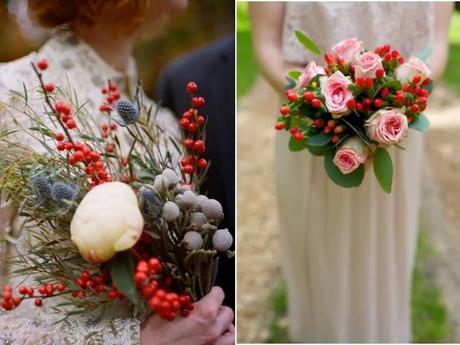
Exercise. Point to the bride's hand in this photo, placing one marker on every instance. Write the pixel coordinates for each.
(209, 323)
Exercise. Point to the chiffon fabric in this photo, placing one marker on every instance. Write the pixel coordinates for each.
(348, 254)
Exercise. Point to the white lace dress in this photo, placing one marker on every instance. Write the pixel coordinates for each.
(70, 61)
(349, 253)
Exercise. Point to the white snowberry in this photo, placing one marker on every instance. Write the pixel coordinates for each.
(198, 219)
(170, 177)
(193, 240)
(222, 240)
(170, 211)
(188, 199)
(212, 209)
(160, 184)
(201, 200)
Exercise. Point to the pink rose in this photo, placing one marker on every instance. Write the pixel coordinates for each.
(387, 126)
(350, 155)
(368, 63)
(348, 50)
(334, 88)
(413, 67)
(311, 71)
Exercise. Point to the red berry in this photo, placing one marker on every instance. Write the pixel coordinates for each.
(112, 294)
(79, 156)
(284, 110)
(335, 139)
(72, 160)
(399, 96)
(49, 87)
(94, 156)
(192, 87)
(198, 101)
(308, 96)
(200, 120)
(184, 123)
(22, 290)
(340, 60)
(154, 265)
(331, 124)
(339, 129)
(298, 136)
(369, 83)
(188, 169)
(142, 266)
(400, 60)
(110, 148)
(426, 82)
(291, 95)
(387, 57)
(293, 130)
(202, 163)
(319, 123)
(394, 54)
(113, 126)
(113, 86)
(380, 73)
(384, 92)
(279, 126)
(351, 104)
(316, 103)
(367, 102)
(416, 79)
(103, 90)
(378, 102)
(386, 48)
(199, 146)
(327, 130)
(61, 287)
(359, 107)
(42, 64)
(192, 127)
(188, 143)
(406, 87)
(140, 277)
(71, 124)
(38, 302)
(329, 59)
(59, 136)
(414, 108)
(62, 107)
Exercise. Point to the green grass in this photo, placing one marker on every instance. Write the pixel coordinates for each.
(452, 73)
(429, 316)
(247, 67)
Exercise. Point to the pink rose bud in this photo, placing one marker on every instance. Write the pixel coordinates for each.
(347, 50)
(311, 71)
(414, 67)
(387, 126)
(335, 90)
(350, 155)
(367, 65)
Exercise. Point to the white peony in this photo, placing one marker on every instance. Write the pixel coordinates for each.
(108, 220)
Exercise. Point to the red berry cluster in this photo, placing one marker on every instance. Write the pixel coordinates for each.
(111, 94)
(166, 303)
(10, 302)
(192, 123)
(390, 57)
(26, 292)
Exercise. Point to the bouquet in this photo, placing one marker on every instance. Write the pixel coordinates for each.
(109, 224)
(354, 109)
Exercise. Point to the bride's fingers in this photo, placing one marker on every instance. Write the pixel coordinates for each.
(230, 329)
(224, 319)
(226, 339)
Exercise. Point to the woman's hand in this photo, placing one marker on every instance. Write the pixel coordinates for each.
(209, 323)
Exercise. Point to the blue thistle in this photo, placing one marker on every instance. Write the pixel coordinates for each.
(151, 205)
(61, 191)
(127, 112)
(41, 187)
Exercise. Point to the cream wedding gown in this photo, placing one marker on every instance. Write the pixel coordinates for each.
(349, 253)
(71, 61)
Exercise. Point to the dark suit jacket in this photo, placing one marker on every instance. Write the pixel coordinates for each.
(213, 69)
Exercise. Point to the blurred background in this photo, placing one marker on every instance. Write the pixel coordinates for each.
(436, 279)
(203, 22)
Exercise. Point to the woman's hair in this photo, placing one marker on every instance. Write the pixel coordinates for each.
(129, 14)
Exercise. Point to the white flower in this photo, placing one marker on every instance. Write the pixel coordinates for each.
(108, 220)
(222, 240)
(160, 184)
(212, 209)
(201, 200)
(170, 211)
(193, 240)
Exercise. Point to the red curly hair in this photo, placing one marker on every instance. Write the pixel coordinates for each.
(129, 14)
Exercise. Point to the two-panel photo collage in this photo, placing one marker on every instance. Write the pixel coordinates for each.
(221, 172)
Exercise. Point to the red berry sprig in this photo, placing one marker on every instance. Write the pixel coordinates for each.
(192, 124)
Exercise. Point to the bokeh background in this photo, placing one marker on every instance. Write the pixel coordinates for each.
(436, 280)
(203, 22)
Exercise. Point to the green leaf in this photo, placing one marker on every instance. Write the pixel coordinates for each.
(393, 84)
(420, 123)
(291, 83)
(294, 74)
(318, 150)
(122, 271)
(319, 139)
(295, 145)
(383, 169)
(307, 43)
(424, 54)
(353, 179)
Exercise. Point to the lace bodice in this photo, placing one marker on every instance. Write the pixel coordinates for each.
(407, 26)
(71, 62)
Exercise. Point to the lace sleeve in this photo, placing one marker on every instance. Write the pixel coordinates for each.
(41, 330)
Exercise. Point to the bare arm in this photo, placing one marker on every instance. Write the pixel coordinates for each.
(443, 14)
(267, 28)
